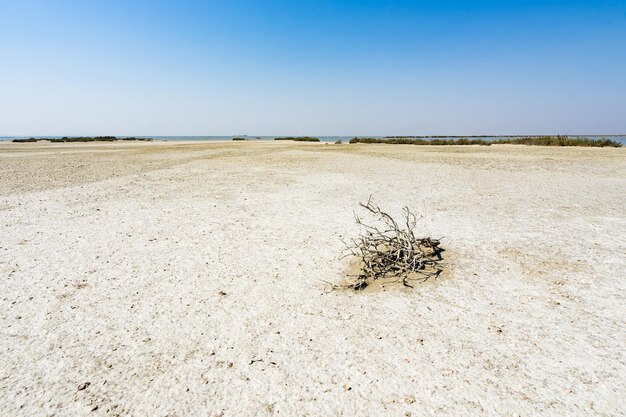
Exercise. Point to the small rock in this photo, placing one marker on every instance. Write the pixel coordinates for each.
(83, 385)
(347, 387)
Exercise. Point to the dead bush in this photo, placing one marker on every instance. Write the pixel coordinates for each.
(387, 248)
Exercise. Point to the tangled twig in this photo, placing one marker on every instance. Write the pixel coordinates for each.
(387, 249)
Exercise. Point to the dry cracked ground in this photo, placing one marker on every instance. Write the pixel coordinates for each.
(192, 279)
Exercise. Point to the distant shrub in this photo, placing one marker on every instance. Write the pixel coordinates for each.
(83, 139)
(25, 140)
(239, 138)
(339, 142)
(299, 139)
(529, 140)
(422, 141)
(559, 141)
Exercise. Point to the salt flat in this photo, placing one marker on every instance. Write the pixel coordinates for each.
(190, 279)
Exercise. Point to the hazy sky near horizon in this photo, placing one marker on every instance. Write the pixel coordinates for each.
(150, 67)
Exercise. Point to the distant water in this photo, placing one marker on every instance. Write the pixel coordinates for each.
(329, 139)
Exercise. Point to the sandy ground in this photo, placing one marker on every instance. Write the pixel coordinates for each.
(157, 279)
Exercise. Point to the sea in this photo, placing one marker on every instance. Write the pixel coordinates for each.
(327, 139)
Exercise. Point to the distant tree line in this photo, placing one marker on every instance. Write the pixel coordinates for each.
(421, 141)
(299, 139)
(528, 140)
(81, 139)
(560, 141)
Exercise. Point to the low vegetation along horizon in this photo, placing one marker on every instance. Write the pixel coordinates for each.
(529, 140)
(408, 140)
(299, 139)
(81, 139)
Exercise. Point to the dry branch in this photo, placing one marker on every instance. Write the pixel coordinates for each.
(387, 249)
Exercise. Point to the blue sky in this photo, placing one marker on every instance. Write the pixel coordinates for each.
(312, 67)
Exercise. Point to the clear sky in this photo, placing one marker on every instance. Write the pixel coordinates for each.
(151, 67)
